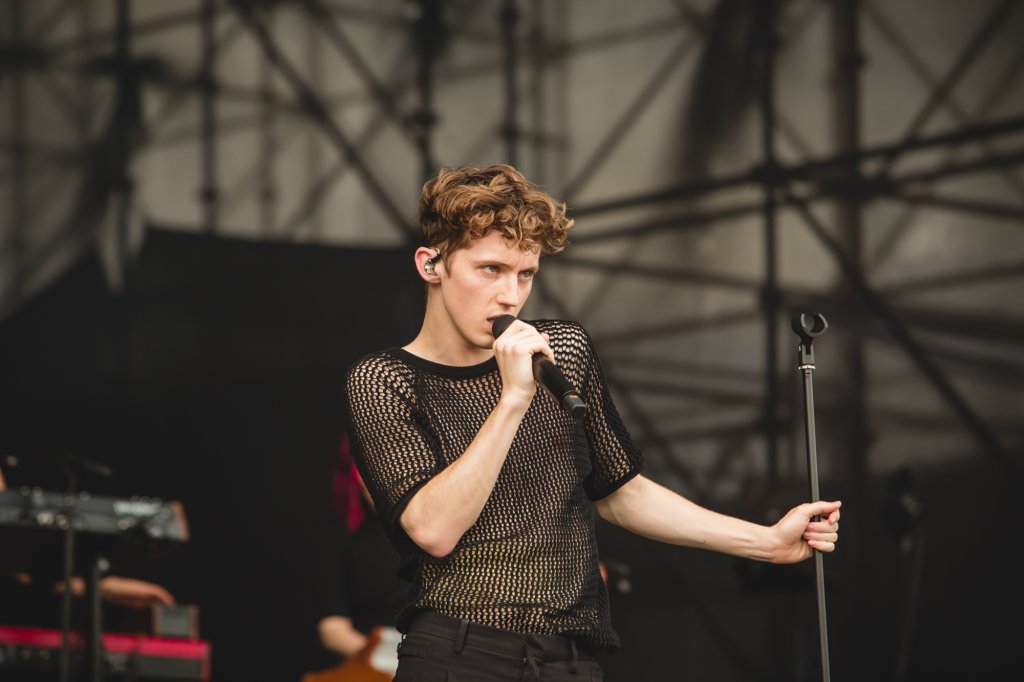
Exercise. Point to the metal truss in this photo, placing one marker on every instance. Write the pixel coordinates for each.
(849, 180)
(843, 178)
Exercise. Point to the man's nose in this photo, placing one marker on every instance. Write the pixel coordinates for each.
(508, 293)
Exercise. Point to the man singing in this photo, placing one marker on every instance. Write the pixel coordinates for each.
(486, 485)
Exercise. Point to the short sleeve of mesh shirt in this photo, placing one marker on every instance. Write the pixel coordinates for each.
(393, 452)
(614, 456)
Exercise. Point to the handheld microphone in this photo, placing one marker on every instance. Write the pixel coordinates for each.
(548, 375)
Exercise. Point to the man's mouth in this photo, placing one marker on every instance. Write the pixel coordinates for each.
(493, 318)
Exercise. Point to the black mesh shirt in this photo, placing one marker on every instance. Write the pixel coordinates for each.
(529, 564)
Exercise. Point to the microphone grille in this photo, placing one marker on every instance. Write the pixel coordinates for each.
(501, 324)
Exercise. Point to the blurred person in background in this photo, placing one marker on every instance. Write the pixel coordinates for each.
(363, 592)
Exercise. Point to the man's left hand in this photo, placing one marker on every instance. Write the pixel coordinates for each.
(799, 533)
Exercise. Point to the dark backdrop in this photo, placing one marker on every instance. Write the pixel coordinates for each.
(214, 378)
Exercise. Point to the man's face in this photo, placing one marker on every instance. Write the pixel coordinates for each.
(484, 280)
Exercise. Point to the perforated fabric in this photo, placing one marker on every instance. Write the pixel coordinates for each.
(529, 564)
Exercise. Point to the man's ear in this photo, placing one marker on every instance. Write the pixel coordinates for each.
(428, 260)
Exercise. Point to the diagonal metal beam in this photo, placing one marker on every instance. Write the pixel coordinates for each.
(718, 396)
(320, 189)
(385, 98)
(807, 170)
(899, 227)
(962, 204)
(244, 185)
(910, 419)
(1003, 371)
(969, 325)
(914, 350)
(180, 90)
(68, 107)
(945, 339)
(977, 276)
(698, 24)
(994, 22)
(139, 28)
(690, 219)
(604, 149)
(895, 232)
(917, 65)
(688, 369)
(743, 427)
(320, 115)
(649, 432)
(731, 447)
(678, 275)
(963, 325)
(679, 327)
(51, 20)
(1014, 157)
(648, 429)
(1001, 368)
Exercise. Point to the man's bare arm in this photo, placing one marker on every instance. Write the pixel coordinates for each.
(442, 511)
(653, 511)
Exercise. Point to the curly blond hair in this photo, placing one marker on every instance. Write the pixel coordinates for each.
(462, 204)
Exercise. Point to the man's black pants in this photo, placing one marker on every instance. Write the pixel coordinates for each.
(442, 649)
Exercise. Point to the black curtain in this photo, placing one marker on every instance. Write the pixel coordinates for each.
(214, 377)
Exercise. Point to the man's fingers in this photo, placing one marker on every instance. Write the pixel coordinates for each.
(823, 508)
(524, 339)
(822, 546)
(821, 537)
(824, 526)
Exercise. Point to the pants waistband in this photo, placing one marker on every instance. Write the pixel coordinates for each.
(467, 633)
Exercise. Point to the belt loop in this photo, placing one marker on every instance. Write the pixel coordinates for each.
(532, 660)
(460, 639)
(574, 663)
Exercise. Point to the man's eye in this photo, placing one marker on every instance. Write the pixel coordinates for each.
(491, 268)
(526, 274)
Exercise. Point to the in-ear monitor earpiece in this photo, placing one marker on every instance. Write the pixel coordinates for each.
(428, 267)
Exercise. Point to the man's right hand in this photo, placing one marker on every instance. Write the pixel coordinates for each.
(514, 351)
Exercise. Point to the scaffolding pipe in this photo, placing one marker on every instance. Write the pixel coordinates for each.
(509, 19)
(767, 45)
(319, 113)
(208, 114)
(427, 33)
(917, 354)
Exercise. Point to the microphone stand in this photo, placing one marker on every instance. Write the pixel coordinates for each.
(93, 659)
(808, 328)
(68, 521)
